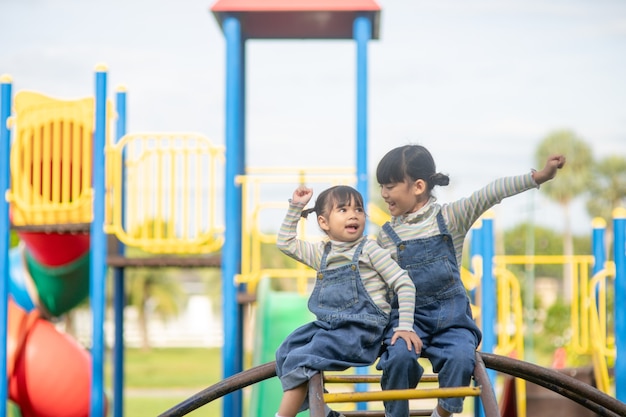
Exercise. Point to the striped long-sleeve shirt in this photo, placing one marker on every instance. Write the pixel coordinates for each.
(379, 272)
(459, 215)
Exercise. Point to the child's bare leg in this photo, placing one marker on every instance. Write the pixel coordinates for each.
(292, 401)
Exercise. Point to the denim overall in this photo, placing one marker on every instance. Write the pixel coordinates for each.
(348, 331)
(443, 320)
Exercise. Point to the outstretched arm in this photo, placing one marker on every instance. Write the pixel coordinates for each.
(554, 163)
(287, 240)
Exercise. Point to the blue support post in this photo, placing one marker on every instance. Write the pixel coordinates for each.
(475, 250)
(488, 293)
(597, 246)
(118, 278)
(231, 252)
(597, 243)
(476, 245)
(5, 230)
(362, 30)
(619, 245)
(97, 267)
(362, 34)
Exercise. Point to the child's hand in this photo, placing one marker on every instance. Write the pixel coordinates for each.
(302, 195)
(554, 163)
(412, 340)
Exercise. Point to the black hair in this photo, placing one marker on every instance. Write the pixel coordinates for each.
(412, 162)
(337, 196)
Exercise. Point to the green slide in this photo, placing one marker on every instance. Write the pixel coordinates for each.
(278, 314)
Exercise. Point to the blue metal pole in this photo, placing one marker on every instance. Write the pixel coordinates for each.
(5, 230)
(597, 242)
(362, 34)
(231, 252)
(98, 248)
(474, 251)
(488, 293)
(362, 30)
(118, 279)
(598, 248)
(619, 245)
(476, 244)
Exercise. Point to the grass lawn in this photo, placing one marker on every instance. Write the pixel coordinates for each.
(161, 378)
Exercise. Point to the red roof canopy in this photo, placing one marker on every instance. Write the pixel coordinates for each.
(298, 19)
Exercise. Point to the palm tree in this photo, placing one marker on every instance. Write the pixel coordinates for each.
(608, 190)
(574, 180)
(153, 291)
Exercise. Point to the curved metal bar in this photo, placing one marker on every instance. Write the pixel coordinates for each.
(222, 388)
(580, 392)
(584, 394)
(487, 396)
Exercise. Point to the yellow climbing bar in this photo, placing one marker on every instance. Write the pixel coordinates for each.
(368, 379)
(390, 395)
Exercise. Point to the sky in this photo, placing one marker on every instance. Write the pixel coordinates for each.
(479, 83)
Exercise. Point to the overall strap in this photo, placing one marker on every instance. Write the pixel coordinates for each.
(325, 256)
(357, 252)
(443, 229)
(392, 233)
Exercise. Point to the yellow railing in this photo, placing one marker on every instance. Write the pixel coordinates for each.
(589, 327)
(51, 160)
(602, 346)
(162, 191)
(265, 192)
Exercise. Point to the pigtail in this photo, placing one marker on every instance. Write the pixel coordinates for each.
(306, 212)
(439, 179)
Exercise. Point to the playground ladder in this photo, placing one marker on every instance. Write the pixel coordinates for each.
(319, 395)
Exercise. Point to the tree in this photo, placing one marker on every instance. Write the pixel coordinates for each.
(572, 181)
(608, 190)
(153, 291)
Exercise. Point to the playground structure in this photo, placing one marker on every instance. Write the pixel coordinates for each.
(63, 203)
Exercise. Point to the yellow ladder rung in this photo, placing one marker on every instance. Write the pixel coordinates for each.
(410, 394)
(367, 379)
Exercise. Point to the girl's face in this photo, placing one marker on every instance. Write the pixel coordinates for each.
(404, 197)
(345, 223)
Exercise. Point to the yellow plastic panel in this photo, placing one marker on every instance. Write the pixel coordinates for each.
(51, 160)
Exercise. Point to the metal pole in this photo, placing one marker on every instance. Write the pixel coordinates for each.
(619, 245)
(98, 248)
(231, 252)
(362, 29)
(118, 277)
(5, 230)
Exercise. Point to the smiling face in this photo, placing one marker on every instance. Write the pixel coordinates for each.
(404, 197)
(345, 222)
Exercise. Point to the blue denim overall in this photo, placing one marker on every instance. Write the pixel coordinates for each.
(348, 331)
(443, 320)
